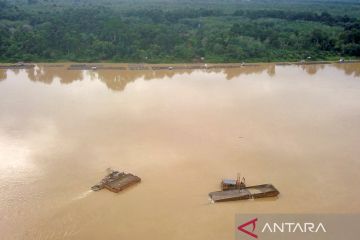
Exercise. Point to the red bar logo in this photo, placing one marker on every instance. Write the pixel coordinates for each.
(251, 222)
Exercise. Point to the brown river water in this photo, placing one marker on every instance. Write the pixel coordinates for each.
(181, 131)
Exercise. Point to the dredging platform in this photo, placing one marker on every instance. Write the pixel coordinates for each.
(116, 181)
(237, 190)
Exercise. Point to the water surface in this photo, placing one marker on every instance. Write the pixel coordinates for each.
(181, 131)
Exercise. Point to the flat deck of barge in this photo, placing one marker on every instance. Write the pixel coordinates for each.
(116, 181)
(120, 184)
(253, 192)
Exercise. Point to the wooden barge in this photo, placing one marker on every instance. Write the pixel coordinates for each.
(116, 181)
(253, 192)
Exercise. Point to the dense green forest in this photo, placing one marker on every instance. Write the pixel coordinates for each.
(178, 31)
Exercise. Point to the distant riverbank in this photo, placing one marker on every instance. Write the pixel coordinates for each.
(162, 66)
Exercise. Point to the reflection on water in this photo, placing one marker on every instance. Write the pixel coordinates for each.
(313, 68)
(349, 69)
(118, 79)
(296, 127)
(48, 74)
(2, 74)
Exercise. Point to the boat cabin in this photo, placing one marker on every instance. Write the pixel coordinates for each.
(229, 184)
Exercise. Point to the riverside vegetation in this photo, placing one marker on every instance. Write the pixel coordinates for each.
(178, 31)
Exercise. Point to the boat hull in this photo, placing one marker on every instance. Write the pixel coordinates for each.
(252, 192)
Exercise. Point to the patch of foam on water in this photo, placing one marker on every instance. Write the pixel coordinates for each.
(82, 195)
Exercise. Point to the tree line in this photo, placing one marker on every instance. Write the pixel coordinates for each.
(95, 33)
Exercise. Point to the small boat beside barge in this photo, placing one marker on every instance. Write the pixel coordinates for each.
(229, 184)
(116, 181)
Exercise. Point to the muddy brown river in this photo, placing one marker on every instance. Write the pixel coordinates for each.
(181, 131)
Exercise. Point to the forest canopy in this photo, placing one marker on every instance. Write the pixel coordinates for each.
(175, 31)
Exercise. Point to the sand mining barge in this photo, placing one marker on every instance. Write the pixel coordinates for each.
(116, 181)
(252, 192)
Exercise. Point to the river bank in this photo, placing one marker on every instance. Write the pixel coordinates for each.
(160, 66)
